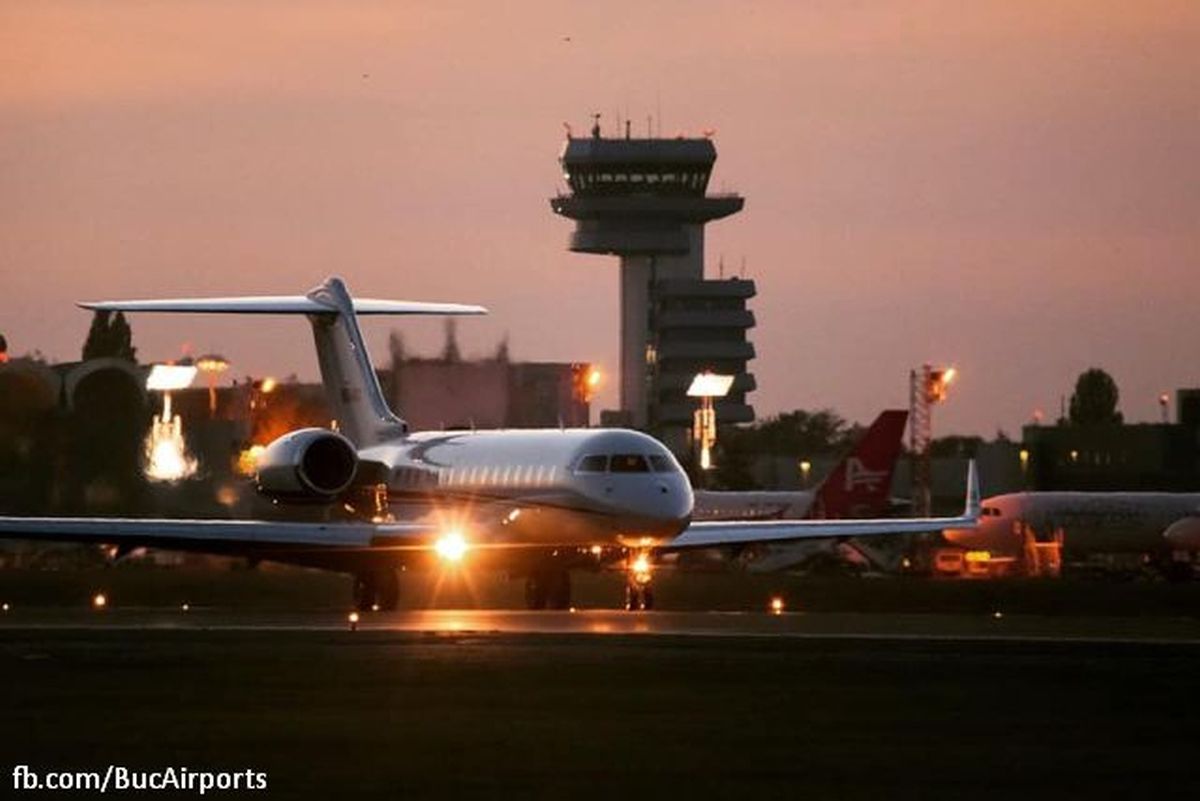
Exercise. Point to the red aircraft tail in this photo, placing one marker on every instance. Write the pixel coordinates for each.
(860, 484)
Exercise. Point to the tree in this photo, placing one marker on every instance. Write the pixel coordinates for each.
(1095, 399)
(109, 336)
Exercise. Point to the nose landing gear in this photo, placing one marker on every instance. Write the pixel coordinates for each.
(639, 594)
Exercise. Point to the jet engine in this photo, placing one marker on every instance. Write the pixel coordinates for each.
(310, 463)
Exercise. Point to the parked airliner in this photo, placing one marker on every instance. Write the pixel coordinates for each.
(1151, 524)
(537, 503)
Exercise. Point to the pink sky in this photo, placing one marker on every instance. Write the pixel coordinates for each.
(1013, 187)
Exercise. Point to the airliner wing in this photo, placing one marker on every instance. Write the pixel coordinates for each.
(714, 534)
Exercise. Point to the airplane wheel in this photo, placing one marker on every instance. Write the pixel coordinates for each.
(535, 592)
(647, 597)
(374, 589)
(388, 593)
(364, 592)
(558, 589)
(634, 598)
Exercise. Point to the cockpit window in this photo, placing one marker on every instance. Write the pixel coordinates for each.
(660, 464)
(595, 463)
(628, 463)
(990, 511)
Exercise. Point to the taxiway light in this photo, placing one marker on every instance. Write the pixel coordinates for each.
(451, 547)
(777, 605)
(99, 600)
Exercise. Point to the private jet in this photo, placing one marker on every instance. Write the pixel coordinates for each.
(535, 503)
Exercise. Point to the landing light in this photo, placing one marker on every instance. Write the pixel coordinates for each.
(777, 605)
(451, 547)
(99, 601)
(352, 619)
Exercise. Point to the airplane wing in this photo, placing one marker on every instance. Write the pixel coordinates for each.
(218, 535)
(714, 534)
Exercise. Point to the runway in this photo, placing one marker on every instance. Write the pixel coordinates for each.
(480, 704)
(995, 626)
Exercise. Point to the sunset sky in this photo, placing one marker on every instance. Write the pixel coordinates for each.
(1012, 187)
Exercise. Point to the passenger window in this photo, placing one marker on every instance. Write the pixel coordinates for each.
(628, 463)
(660, 464)
(592, 464)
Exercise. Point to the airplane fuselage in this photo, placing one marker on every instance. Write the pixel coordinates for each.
(549, 487)
(1091, 522)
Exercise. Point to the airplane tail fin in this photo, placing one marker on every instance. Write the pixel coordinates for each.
(860, 485)
(351, 385)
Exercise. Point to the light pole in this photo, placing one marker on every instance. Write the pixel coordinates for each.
(706, 386)
(212, 366)
(926, 388)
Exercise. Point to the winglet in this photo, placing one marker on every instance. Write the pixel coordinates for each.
(973, 503)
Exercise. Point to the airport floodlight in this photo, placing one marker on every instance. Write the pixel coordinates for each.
(706, 386)
(170, 377)
(212, 363)
(212, 366)
(710, 385)
(927, 387)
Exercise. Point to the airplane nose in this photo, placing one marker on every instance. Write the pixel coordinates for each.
(1184, 535)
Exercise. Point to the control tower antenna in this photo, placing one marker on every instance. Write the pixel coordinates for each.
(596, 125)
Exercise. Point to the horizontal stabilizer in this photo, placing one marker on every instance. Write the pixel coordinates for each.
(279, 304)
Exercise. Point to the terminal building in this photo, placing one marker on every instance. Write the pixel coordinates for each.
(646, 201)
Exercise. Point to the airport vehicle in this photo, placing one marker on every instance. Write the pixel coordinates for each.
(536, 503)
(1151, 524)
(857, 486)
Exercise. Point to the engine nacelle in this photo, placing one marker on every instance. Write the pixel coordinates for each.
(312, 463)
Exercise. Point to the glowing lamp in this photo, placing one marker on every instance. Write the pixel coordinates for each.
(170, 377)
(710, 385)
(99, 601)
(451, 547)
(777, 605)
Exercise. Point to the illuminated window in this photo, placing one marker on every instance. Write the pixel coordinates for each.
(628, 463)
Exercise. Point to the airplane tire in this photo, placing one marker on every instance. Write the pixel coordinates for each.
(647, 597)
(364, 592)
(535, 592)
(377, 588)
(633, 598)
(388, 594)
(558, 589)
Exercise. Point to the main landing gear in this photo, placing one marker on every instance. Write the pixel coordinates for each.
(376, 591)
(548, 588)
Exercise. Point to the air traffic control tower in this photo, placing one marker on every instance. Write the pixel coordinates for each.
(646, 201)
